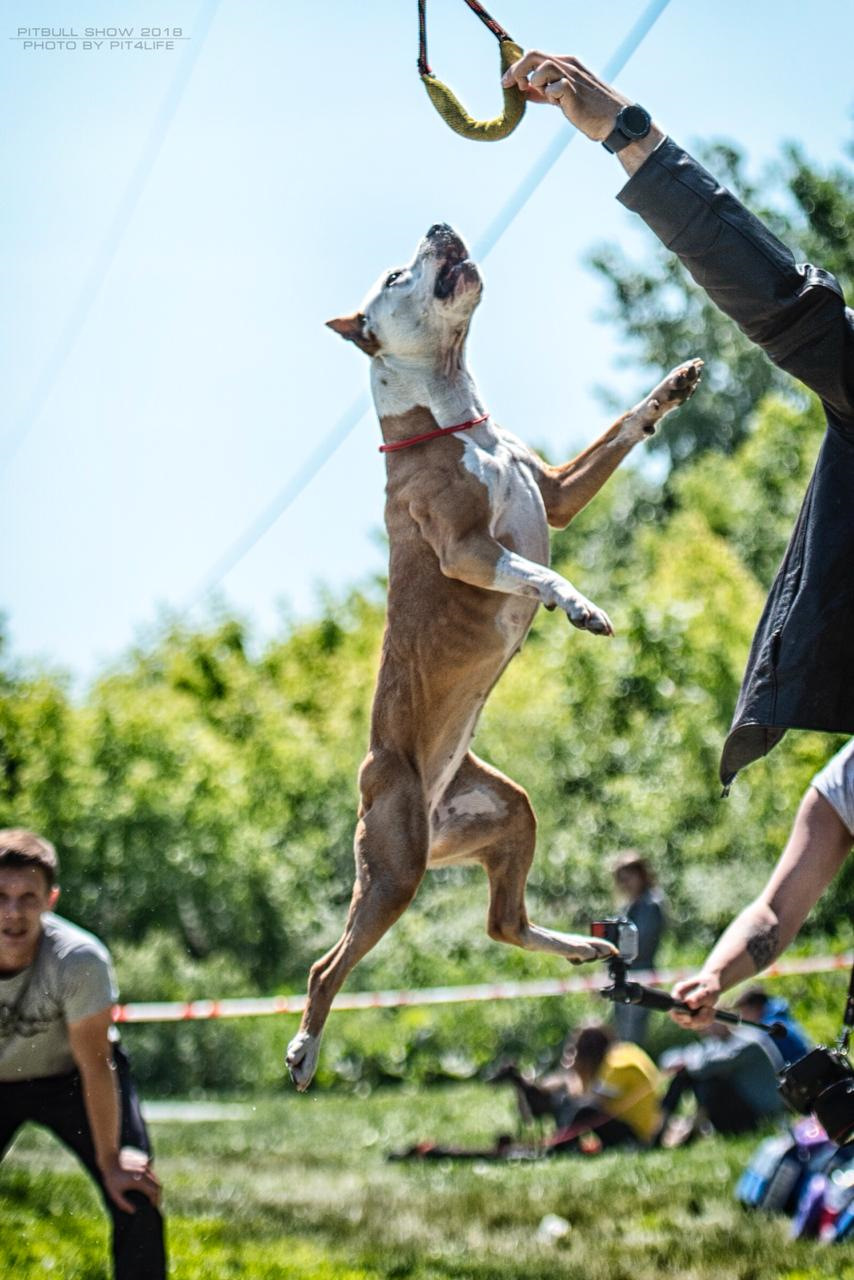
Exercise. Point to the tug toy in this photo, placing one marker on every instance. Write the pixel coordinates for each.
(449, 106)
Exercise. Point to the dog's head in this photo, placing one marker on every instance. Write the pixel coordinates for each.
(421, 311)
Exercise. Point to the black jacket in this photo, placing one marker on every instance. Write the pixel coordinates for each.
(799, 672)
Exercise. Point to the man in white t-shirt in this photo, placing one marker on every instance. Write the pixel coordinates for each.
(60, 1063)
(819, 842)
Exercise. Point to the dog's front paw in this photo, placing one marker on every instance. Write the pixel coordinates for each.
(585, 615)
(580, 949)
(301, 1059)
(677, 387)
(681, 383)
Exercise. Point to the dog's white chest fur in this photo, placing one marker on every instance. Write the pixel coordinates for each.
(517, 514)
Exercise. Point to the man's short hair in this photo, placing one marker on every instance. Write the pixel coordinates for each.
(22, 848)
(751, 995)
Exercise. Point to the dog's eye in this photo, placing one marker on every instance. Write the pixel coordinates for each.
(390, 279)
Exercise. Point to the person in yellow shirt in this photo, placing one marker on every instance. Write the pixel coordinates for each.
(612, 1095)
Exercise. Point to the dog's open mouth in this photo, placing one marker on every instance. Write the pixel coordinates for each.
(449, 275)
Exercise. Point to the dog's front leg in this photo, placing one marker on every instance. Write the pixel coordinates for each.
(568, 488)
(516, 576)
(480, 560)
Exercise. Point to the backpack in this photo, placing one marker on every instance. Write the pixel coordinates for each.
(825, 1207)
(780, 1167)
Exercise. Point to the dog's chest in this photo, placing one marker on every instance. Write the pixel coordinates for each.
(517, 516)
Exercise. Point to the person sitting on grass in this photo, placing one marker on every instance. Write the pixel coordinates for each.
(612, 1097)
(60, 1062)
(608, 1099)
(757, 1005)
(732, 1074)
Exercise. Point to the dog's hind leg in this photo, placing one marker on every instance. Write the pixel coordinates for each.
(484, 817)
(391, 854)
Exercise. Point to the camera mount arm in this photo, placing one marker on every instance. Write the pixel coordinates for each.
(847, 1018)
(622, 991)
(623, 936)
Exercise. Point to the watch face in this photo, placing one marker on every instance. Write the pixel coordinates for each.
(635, 121)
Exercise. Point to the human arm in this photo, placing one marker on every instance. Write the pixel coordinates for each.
(122, 1169)
(818, 845)
(795, 313)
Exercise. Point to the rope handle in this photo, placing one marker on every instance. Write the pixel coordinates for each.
(477, 9)
(448, 105)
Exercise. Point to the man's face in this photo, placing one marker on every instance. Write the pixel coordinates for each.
(629, 881)
(24, 896)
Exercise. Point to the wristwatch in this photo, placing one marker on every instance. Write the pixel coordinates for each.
(632, 122)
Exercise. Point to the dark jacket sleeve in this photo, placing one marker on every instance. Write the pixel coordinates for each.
(796, 313)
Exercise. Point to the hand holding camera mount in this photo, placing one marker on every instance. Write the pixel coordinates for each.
(624, 936)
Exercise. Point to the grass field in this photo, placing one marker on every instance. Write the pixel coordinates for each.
(299, 1187)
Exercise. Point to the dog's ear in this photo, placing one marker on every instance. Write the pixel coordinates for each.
(353, 329)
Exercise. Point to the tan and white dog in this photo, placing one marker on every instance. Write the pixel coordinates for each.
(467, 514)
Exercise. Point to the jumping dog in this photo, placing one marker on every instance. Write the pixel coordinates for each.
(468, 507)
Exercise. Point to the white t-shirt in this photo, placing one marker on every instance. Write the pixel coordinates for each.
(836, 783)
(70, 979)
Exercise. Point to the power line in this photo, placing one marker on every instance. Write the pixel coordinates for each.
(103, 261)
(352, 416)
(301, 478)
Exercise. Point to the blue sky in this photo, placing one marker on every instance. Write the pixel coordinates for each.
(168, 257)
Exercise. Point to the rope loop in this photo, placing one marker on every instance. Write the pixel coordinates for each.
(449, 106)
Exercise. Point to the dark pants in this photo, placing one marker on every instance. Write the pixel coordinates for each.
(588, 1119)
(727, 1110)
(56, 1102)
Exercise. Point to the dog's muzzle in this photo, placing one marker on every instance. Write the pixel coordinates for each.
(455, 264)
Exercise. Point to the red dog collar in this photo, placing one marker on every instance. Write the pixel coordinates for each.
(431, 435)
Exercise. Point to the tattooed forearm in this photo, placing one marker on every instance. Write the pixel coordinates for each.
(763, 944)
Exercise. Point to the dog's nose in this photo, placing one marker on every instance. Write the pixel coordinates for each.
(440, 229)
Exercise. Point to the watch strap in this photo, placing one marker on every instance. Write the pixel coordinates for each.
(616, 140)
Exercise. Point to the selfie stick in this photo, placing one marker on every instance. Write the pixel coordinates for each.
(622, 991)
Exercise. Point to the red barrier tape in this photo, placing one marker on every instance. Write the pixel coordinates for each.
(204, 1010)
